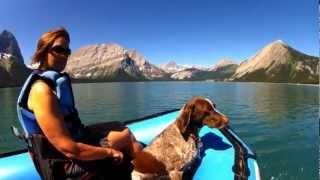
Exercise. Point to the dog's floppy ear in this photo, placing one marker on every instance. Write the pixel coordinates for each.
(184, 118)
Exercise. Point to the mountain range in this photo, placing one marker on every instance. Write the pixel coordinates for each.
(111, 62)
(276, 62)
(219, 72)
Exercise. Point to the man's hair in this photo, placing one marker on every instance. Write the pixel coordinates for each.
(45, 43)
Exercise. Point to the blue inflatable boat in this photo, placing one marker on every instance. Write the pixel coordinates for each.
(224, 156)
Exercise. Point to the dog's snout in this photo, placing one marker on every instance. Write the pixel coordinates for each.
(225, 119)
(219, 120)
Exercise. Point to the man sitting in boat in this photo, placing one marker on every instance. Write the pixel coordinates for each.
(60, 145)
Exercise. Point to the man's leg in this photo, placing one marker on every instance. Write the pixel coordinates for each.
(124, 141)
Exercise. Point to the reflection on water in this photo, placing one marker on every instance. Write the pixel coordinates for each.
(8, 117)
(279, 121)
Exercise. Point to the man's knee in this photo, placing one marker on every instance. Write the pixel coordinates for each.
(126, 134)
(122, 138)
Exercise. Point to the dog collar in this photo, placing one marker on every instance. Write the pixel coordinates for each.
(194, 137)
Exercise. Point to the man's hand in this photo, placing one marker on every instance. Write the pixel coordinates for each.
(116, 155)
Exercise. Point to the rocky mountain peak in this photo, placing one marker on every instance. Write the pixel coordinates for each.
(276, 45)
(172, 67)
(171, 63)
(278, 62)
(138, 58)
(279, 42)
(9, 45)
(110, 62)
(13, 72)
(273, 54)
(222, 63)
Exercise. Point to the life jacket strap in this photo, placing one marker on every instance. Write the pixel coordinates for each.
(21, 136)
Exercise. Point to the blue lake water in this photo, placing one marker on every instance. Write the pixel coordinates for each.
(279, 121)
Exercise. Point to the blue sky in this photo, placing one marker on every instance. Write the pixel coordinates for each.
(188, 32)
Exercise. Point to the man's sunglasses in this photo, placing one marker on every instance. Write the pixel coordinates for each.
(61, 50)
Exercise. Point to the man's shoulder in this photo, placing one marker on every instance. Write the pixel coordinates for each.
(40, 86)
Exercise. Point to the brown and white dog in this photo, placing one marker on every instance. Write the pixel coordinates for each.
(176, 146)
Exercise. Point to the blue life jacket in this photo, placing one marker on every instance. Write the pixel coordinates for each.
(46, 158)
(60, 83)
